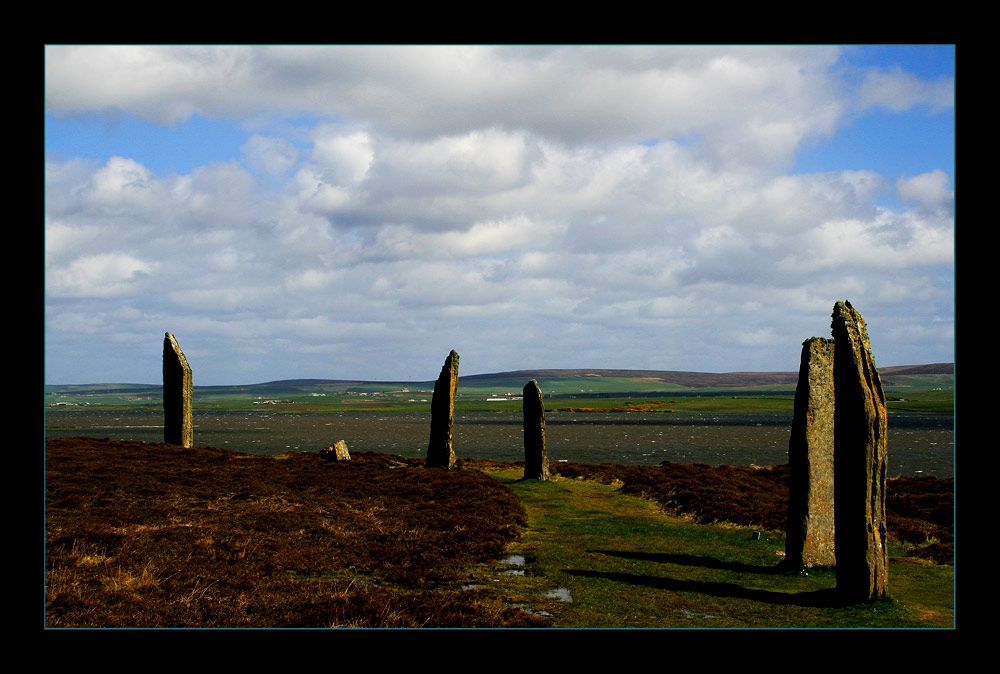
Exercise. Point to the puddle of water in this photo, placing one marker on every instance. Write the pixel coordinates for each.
(514, 560)
(560, 593)
(533, 611)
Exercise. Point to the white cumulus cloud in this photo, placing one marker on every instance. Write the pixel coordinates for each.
(929, 189)
(100, 275)
(553, 206)
(898, 90)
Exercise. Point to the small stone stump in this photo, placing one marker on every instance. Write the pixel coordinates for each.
(178, 421)
(860, 461)
(810, 530)
(440, 453)
(536, 463)
(338, 452)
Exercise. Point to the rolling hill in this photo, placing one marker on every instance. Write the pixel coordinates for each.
(551, 380)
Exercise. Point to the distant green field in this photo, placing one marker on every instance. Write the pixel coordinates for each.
(908, 393)
(571, 385)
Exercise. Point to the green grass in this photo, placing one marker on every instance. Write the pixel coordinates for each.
(572, 385)
(920, 401)
(625, 563)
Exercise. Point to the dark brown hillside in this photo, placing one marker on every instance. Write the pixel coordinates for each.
(933, 368)
(153, 535)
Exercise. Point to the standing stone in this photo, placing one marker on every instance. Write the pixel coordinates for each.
(337, 452)
(536, 463)
(860, 461)
(340, 450)
(178, 422)
(810, 531)
(439, 452)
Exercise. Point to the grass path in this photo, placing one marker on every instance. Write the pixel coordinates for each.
(595, 557)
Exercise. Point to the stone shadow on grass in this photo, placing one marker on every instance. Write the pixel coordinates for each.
(693, 560)
(825, 598)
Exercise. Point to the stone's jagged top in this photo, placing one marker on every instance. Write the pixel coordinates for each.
(451, 364)
(536, 462)
(440, 453)
(860, 460)
(178, 386)
(850, 327)
(172, 341)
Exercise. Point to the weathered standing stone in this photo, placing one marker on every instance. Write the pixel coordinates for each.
(536, 463)
(860, 460)
(340, 449)
(810, 531)
(440, 453)
(338, 452)
(178, 423)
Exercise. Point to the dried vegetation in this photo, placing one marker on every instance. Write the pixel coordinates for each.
(151, 535)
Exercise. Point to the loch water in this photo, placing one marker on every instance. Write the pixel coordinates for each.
(919, 444)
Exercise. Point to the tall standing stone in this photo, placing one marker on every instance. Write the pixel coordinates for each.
(536, 463)
(440, 453)
(178, 422)
(810, 532)
(860, 460)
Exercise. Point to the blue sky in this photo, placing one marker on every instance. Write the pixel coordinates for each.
(164, 149)
(357, 212)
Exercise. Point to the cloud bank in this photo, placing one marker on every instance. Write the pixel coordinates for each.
(527, 206)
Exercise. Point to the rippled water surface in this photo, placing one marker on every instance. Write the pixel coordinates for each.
(918, 444)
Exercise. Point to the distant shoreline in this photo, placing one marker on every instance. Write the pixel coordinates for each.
(678, 377)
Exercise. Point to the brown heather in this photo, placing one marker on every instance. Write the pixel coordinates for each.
(155, 535)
